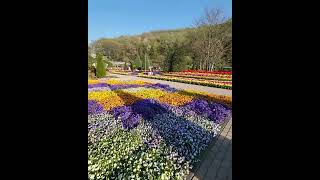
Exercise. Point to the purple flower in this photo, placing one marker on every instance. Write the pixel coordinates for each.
(128, 117)
(219, 113)
(97, 85)
(185, 137)
(131, 115)
(123, 86)
(100, 125)
(148, 108)
(214, 111)
(198, 106)
(164, 87)
(94, 107)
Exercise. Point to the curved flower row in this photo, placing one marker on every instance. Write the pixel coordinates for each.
(117, 82)
(147, 108)
(220, 77)
(209, 72)
(106, 86)
(203, 82)
(225, 100)
(111, 99)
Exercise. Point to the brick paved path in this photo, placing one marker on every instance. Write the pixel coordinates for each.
(216, 163)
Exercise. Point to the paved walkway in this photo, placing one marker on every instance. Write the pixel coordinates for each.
(178, 85)
(216, 163)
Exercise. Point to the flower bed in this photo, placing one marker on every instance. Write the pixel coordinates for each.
(220, 77)
(138, 130)
(203, 82)
(208, 72)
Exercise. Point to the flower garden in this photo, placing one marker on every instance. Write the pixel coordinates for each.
(211, 75)
(218, 79)
(224, 82)
(141, 130)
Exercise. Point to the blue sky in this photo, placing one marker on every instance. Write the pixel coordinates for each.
(113, 18)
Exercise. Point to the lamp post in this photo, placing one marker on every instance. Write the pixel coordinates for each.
(145, 57)
(145, 62)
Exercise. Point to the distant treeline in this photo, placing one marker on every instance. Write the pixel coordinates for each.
(207, 46)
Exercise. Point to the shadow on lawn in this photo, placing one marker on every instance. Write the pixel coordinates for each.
(185, 137)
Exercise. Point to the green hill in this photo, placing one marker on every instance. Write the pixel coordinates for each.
(175, 49)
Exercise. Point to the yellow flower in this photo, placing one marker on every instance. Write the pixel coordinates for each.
(93, 81)
(227, 100)
(175, 99)
(150, 93)
(108, 99)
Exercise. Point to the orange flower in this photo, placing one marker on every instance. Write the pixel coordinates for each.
(175, 99)
(227, 100)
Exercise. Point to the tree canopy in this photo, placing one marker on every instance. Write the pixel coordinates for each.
(207, 46)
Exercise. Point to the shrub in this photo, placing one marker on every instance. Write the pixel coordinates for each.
(101, 70)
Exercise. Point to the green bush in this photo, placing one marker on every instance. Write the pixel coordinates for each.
(137, 63)
(101, 68)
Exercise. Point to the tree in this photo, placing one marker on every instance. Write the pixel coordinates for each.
(91, 59)
(137, 63)
(101, 70)
(208, 40)
(175, 56)
(184, 63)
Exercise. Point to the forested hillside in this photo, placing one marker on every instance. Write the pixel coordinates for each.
(207, 46)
